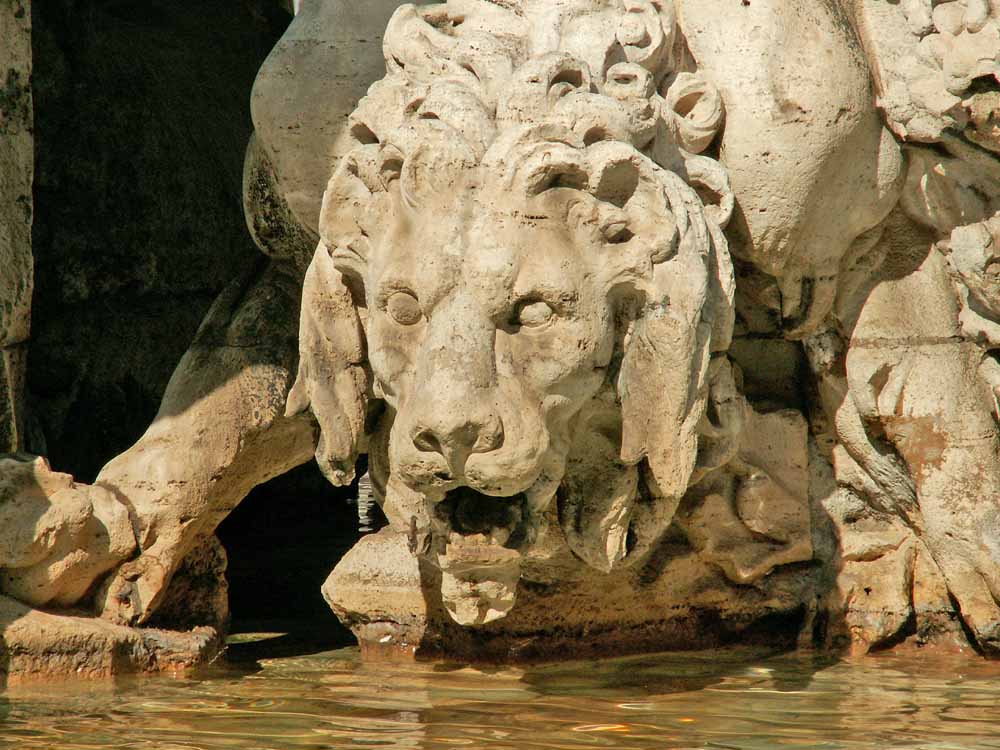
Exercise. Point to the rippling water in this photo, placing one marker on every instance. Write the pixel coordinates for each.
(334, 700)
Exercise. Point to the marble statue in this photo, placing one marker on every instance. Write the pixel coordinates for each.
(662, 323)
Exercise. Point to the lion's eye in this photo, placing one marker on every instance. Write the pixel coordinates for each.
(616, 232)
(534, 314)
(404, 308)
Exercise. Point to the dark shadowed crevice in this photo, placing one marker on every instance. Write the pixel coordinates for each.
(282, 542)
(142, 117)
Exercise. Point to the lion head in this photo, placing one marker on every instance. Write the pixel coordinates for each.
(520, 285)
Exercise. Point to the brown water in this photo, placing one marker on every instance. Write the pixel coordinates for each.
(334, 700)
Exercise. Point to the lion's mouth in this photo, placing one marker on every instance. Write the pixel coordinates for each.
(467, 513)
(480, 560)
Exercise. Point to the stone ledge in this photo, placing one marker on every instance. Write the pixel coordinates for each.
(36, 644)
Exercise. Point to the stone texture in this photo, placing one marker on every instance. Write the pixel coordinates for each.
(471, 449)
(16, 177)
(198, 594)
(937, 66)
(13, 365)
(126, 275)
(300, 119)
(799, 115)
(661, 325)
(37, 644)
(868, 289)
(220, 431)
(376, 590)
(58, 536)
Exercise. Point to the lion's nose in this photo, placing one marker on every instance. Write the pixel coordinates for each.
(458, 437)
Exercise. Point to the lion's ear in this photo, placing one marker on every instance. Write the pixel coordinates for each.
(662, 389)
(332, 380)
(663, 379)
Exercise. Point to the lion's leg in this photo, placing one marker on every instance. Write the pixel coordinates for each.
(220, 431)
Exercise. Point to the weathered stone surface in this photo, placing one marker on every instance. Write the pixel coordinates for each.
(37, 644)
(56, 536)
(974, 253)
(376, 590)
(472, 449)
(13, 365)
(676, 598)
(803, 142)
(198, 593)
(588, 426)
(937, 66)
(815, 196)
(220, 431)
(110, 328)
(16, 175)
(300, 119)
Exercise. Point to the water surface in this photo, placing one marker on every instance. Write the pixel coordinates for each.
(335, 700)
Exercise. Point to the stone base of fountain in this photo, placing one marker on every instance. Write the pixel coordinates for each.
(391, 601)
(37, 644)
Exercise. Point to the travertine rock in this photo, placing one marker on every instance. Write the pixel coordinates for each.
(40, 644)
(521, 305)
(937, 64)
(300, 119)
(974, 254)
(221, 430)
(393, 611)
(494, 361)
(17, 150)
(198, 594)
(57, 537)
(815, 194)
(138, 224)
(803, 141)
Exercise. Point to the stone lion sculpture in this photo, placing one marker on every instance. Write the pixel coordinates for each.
(567, 265)
(532, 268)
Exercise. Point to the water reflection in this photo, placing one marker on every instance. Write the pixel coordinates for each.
(333, 700)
